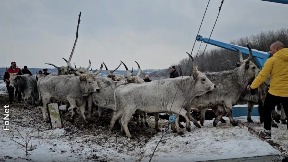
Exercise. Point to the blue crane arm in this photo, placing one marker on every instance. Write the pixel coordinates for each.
(278, 1)
(260, 56)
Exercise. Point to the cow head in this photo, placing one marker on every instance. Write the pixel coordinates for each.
(88, 84)
(137, 78)
(202, 84)
(247, 70)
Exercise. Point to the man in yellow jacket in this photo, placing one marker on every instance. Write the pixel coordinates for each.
(277, 68)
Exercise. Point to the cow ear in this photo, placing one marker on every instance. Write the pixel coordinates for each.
(195, 72)
(83, 78)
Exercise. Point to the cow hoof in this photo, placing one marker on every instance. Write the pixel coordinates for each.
(202, 123)
(188, 129)
(283, 121)
(180, 133)
(277, 121)
(249, 120)
(158, 130)
(214, 124)
(197, 125)
(234, 123)
(274, 125)
(222, 120)
(147, 125)
(181, 126)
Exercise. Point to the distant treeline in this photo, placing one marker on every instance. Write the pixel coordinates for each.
(222, 59)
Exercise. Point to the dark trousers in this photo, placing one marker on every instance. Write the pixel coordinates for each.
(269, 104)
(12, 95)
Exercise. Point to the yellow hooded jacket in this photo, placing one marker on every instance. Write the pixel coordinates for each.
(277, 68)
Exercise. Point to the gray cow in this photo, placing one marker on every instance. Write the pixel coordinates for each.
(168, 95)
(73, 89)
(230, 85)
(105, 98)
(27, 85)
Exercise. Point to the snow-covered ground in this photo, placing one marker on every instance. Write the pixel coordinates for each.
(76, 142)
(207, 143)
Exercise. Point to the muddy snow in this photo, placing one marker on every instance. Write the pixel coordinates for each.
(93, 142)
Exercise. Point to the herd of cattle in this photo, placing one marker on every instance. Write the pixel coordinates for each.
(81, 88)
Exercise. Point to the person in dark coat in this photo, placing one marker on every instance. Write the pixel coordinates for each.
(45, 72)
(25, 70)
(12, 70)
(173, 73)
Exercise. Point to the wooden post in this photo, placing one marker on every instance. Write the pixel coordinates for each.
(55, 117)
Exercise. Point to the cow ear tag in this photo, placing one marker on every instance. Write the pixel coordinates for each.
(172, 118)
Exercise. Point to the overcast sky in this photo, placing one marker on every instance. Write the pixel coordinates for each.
(156, 33)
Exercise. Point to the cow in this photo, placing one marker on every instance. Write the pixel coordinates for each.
(258, 98)
(105, 98)
(27, 85)
(167, 95)
(230, 85)
(68, 88)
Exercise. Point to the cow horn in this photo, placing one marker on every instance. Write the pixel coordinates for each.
(250, 52)
(109, 72)
(96, 72)
(240, 54)
(69, 65)
(52, 65)
(105, 65)
(195, 72)
(124, 65)
(139, 69)
(117, 67)
(89, 65)
(190, 56)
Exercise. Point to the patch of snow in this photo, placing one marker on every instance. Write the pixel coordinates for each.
(206, 143)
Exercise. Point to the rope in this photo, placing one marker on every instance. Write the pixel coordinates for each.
(177, 89)
(163, 133)
(200, 25)
(214, 24)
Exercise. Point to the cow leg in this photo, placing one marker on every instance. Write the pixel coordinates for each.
(156, 115)
(228, 108)
(45, 100)
(125, 119)
(219, 113)
(143, 116)
(89, 104)
(283, 116)
(115, 117)
(173, 125)
(72, 103)
(232, 121)
(82, 110)
(250, 108)
(100, 111)
(183, 113)
(202, 116)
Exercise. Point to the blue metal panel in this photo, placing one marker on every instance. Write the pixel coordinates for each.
(278, 1)
(259, 56)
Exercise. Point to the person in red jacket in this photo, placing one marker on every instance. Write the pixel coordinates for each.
(12, 70)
